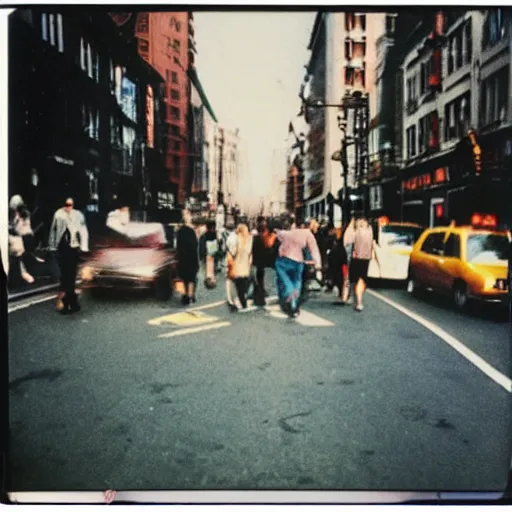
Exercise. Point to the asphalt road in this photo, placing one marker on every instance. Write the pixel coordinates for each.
(334, 400)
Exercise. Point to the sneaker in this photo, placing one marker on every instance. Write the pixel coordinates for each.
(359, 308)
(232, 308)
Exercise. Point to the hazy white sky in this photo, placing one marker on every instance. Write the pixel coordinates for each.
(251, 65)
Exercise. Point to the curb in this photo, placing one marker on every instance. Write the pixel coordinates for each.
(16, 297)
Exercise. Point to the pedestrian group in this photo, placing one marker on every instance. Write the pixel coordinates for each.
(301, 255)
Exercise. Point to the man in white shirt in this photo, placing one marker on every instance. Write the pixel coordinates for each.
(68, 236)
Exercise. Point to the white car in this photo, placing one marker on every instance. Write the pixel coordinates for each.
(395, 241)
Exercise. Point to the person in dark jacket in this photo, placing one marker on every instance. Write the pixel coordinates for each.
(338, 266)
(264, 252)
(188, 258)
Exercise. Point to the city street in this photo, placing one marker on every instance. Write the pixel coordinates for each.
(119, 396)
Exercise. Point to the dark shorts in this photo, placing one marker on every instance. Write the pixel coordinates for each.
(358, 270)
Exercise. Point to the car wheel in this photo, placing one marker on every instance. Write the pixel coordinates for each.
(413, 288)
(460, 295)
(164, 286)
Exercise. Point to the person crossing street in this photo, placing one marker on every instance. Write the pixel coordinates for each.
(290, 265)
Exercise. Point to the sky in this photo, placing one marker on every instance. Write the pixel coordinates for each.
(251, 65)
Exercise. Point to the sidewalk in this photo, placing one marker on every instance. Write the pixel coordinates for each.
(46, 278)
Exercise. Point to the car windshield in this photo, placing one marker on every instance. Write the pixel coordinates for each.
(138, 235)
(487, 248)
(400, 235)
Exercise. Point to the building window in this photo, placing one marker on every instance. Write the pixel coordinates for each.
(495, 28)
(52, 29)
(411, 142)
(89, 60)
(176, 44)
(97, 67)
(349, 21)
(175, 94)
(460, 51)
(174, 77)
(348, 49)
(360, 21)
(143, 23)
(175, 130)
(468, 42)
(176, 164)
(176, 146)
(44, 26)
(425, 72)
(111, 75)
(175, 114)
(457, 117)
(176, 61)
(495, 94)
(178, 26)
(349, 76)
(359, 50)
(359, 78)
(390, 25)
(143, 46)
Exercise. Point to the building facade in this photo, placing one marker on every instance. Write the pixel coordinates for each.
(79, 118)
(202, 123)
(456, 133)
(343, 57)
(166, 41)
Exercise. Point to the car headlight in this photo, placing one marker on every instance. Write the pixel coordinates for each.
(87, 273)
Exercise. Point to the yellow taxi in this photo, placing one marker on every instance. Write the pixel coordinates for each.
(395, 241)
(466, 262)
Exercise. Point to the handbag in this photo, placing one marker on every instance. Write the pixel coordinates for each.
(230, 262)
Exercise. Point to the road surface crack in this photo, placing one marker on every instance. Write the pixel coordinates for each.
(283, 422)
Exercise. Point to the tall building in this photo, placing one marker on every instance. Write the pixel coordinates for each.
(166, 41)
(457, 124)
(224, 181)
(75, 123)
(342, 62)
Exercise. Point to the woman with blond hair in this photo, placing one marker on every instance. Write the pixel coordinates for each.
(242, 262)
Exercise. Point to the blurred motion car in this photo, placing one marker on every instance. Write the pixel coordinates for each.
(466, 262)
(139, 258)
(395, 241)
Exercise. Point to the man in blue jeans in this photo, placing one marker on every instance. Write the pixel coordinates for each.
(290, 266)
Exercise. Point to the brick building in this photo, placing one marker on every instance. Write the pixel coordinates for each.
(166, 41)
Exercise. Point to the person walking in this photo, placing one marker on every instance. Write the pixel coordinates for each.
(290, 265)
(231, 242)
(364, 244)
(338, 268)
(208, 250)
(68, 237)
(188, 258)
(21, 238)
(242, 262)
(263, 254)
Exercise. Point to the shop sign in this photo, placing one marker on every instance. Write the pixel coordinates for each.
(427, 180)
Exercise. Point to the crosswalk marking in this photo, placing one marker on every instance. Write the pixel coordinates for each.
(183, 318)
(305, 318)
(192, 330)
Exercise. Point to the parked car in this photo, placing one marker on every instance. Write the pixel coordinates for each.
(466, 262)
(395, 241)
(141, 258)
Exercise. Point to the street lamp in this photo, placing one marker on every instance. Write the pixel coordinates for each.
(358, 102)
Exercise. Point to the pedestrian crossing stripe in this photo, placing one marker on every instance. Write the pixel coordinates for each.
(184, 318)
(305, 318)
